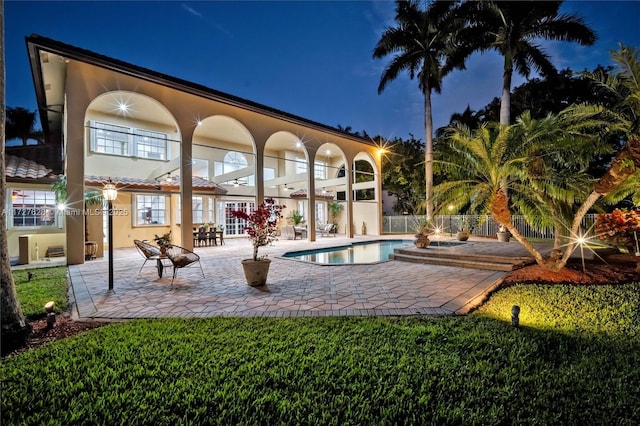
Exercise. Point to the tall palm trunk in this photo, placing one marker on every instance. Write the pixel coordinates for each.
(428, 152)
(505, 99)
(15, 328)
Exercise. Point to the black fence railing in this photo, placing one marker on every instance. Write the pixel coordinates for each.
(484, 225)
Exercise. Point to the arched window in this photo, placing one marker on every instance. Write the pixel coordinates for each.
(234, 160)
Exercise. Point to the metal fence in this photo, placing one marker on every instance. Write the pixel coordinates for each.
(485, 225)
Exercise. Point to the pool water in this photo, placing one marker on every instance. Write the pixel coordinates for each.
(356, 253)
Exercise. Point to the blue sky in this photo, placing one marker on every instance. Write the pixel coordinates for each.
(309, 58)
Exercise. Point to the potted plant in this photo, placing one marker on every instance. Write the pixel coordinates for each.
(503, 234)
(296, 217)
(261, 227)
(163, 241)
(422, 229)
(334, 210)
(466, 225)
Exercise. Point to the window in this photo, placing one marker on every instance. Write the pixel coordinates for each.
(127, 141)
(321, 212)
(111, 139)
(233, 161)
(32, 207)
(200, 168)
(150, 209)
(269, 173)
(301, 165)
(150, 144)
(320, 170)
(199, 212)
(197, 206)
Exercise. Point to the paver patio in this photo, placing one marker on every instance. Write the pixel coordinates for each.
(293, 288)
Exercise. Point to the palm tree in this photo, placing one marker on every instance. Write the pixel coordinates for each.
(15, 328)
(424, 46)
(512, 27)
(542, 163)
(21, 124)
(624, 87)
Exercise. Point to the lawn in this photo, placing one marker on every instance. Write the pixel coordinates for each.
(575, 360)
(44, 285)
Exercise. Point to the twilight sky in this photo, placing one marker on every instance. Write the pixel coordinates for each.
(309, 58)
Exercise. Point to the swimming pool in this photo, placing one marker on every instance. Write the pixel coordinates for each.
(356, 253)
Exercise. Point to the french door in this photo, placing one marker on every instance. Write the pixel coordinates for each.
(232, 225)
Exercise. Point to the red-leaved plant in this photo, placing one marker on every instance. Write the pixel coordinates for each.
(620, 228)
(262, 223)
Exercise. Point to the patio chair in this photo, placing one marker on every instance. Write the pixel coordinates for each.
(289, 232)
(147, 250)
(211, 234)
(325, 230)
(202, 236)
(181, 257)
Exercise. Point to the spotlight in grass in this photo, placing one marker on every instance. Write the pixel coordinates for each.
(515, 316)
(50, 307)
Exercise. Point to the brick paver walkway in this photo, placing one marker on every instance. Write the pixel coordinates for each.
(293, 289)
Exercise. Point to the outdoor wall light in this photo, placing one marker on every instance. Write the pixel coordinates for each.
(109, 191)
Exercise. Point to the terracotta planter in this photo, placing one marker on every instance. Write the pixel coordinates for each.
(255, 271)
(462, 235)
(421, 241)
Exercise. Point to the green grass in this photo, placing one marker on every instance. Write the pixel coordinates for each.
(575, 360)
(46, 284)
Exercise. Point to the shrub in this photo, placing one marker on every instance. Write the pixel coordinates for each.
(619, 228)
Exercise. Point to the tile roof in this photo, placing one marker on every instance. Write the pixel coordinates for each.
(302, 193)
(199, 184)
(21, 168)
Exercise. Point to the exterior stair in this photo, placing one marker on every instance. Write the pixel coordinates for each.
(450, 256)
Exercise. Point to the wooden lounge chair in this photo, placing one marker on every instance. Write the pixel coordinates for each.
(181, 257)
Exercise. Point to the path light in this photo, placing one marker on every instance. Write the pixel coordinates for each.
(110, 193)
(50, 307)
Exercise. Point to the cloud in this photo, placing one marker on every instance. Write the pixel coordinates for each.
(210, 22)
(191, 10)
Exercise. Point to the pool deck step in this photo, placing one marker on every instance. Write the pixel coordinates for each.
(453, 257)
